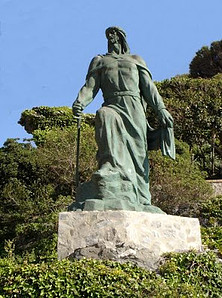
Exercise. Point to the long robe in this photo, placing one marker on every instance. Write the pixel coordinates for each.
(122, 179)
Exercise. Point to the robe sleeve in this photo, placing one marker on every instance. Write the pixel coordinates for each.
(149, 91)
(163, 137)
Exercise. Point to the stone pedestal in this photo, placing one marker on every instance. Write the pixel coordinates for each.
(123, 236)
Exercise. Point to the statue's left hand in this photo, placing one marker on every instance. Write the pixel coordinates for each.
(165, 118)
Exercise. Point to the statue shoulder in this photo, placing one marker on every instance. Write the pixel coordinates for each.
(95, 64)
(139, 60)
(141, 63)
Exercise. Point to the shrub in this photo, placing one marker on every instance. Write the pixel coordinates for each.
(211, 219)
(177, 187)
(182, 275)
(193, 275)
(196, 106)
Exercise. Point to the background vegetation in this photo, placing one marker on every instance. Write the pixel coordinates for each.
(182, 275)
(197, 110)
(207, 61)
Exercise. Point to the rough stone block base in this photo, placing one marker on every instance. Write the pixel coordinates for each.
(125, 236)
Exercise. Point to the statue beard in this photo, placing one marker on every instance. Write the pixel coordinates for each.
(114, 46)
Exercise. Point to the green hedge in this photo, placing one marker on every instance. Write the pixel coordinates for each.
(211, 220)
(182, 275)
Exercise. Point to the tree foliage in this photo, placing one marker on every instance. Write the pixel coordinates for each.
(29, 199)
(40, 120)
(208, 61)
(196, 106)
(38, 182)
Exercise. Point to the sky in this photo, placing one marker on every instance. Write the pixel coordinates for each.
(47, 45)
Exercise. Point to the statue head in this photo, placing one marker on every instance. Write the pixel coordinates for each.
(117, 36)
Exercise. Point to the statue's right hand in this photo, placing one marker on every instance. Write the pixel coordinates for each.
(165, 118)
(77, 110)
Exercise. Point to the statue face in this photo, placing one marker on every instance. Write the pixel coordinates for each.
(113, 37)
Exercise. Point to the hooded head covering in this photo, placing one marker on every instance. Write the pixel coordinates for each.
(122, 35)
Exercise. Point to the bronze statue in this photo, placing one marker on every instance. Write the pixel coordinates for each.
(122, 178)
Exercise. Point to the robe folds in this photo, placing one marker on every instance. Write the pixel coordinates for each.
(123, 135)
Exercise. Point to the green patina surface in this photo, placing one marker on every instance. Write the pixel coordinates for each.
(122, 133)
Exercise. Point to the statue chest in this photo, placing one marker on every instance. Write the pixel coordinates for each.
(120, 73)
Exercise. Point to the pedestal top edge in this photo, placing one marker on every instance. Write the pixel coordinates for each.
(62, 215)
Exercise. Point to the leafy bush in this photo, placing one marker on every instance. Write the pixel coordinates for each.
(38, 183)
(177, 187)
(211, 219)
(211, 212)
(46, 117)
(84, 278)
(193, 275)
(40, 120)
(196, 106)
(182, 275)
(212, 238)
(58, 151)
